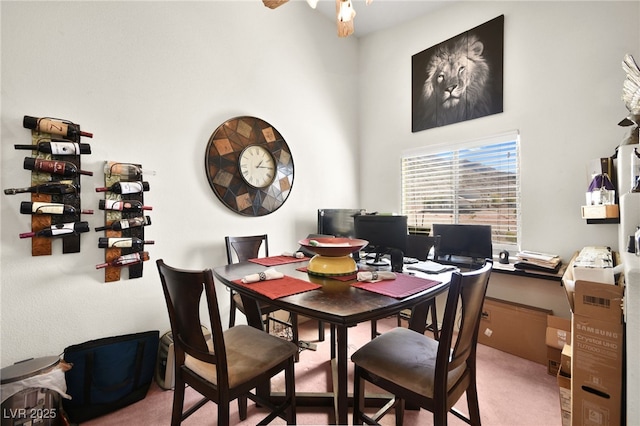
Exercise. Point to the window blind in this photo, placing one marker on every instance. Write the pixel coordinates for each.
(474, 183)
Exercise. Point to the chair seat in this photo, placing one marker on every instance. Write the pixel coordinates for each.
(252, 351)
(406, 358)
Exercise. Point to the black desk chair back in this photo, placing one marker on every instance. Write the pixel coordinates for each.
(423, 371)
(236, 361)
(419, 247)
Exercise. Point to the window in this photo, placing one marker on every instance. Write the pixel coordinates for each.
(470, 183)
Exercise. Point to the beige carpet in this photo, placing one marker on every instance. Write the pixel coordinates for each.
(512, 392)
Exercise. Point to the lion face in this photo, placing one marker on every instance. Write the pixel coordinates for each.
(456, 86)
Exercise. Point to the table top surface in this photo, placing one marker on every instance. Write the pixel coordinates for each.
(336, 301)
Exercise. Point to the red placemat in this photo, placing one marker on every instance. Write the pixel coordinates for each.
(277, 260)
(402, 286)
(274, 289)
(345, 278)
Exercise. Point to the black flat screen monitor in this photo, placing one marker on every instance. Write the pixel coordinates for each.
(383, 233)
(463, 243)
(338, 222)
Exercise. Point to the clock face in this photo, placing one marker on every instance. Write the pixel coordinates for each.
(257, 166)
(249, 166)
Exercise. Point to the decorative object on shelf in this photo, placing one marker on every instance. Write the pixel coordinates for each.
(55, 183)
(631, 98)
(123, 205)
(635, 170)
(345, 13)
(249, 166)
(601, 191)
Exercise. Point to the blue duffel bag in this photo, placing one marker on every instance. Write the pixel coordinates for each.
(109, 374)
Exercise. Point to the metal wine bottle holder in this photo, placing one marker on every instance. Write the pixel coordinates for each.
(113, 273)
(41, 246)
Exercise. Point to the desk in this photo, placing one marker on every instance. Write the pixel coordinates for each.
(337, 303)
(531, 273)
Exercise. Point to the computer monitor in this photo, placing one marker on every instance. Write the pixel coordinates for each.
(463, 244)
(338, 222)
(384, 233)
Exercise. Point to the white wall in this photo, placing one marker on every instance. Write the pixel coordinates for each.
(562, 89)
(152, 81)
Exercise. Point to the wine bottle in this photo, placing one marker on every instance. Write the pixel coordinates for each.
(53, 188)
(126, 171)
(128, 206)
(125, 187)
(56, 127)
(63, 168)
(58, 147)
(119, 225)
(126, 260)
(36, 207)
(59, 230)
(131, 242)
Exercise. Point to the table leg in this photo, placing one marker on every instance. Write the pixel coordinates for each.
(341, 392)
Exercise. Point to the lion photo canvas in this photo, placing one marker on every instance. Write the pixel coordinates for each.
(459, 79)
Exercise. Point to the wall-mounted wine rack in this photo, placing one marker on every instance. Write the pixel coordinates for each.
(61, 138)
(131, 221)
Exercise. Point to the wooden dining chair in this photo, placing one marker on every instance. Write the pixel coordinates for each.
(240, 249)
(232, 364)
(419, 247)
(432, 374)
(243, 248)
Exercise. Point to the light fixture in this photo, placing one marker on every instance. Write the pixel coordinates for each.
(345, 10)
(344, 13)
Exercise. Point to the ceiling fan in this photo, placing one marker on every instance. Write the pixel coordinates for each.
(344, 13)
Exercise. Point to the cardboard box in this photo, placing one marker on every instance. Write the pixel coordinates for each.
(514, 328)
(597, 346)
(564, 387)
(600, 211)
(565, 358)
(558, 331)
(558, 334)
(595, 264)
(553, 360)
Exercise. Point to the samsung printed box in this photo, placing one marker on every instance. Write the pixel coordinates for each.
(597, 340)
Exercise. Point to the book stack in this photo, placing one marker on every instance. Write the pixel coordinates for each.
(538, 261)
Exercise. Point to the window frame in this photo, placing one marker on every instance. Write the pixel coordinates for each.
(456, 147)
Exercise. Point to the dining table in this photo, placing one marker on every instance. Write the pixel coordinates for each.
(341, 301)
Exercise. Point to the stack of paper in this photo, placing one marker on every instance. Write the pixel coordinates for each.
(539, 261)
